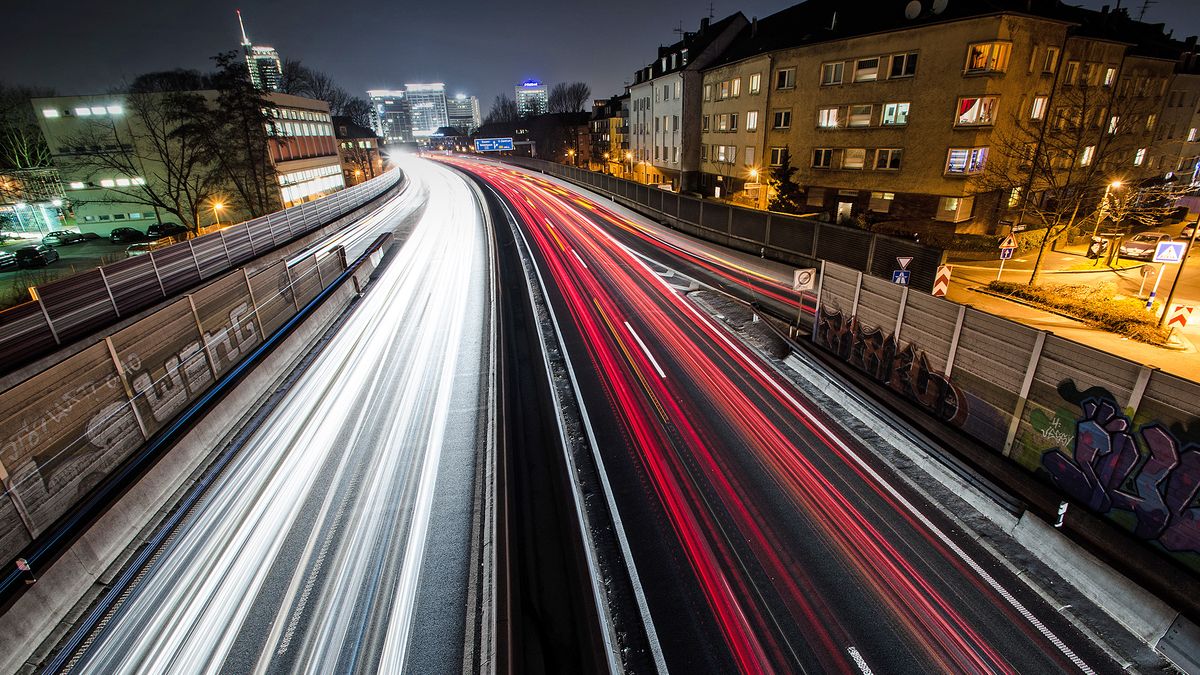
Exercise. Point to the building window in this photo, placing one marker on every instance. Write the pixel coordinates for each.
(860, 116)
(752, 120)
(831, 73)
(1037, 110)
(827, 118)
(721, 156)
(108, 182)
(903, 65)
(955, 209)
(748, 155)
(1139, 157)
(735, 88)
(49, 112)
(703, 151)
(722, 122)
(881, 201)
(1114, 123)
(83, 112)
(704, 123)
(887, 158)
(1151, 119)
(777, 156)
(974, 111)
(988, 57)
(1071, 74)
(1191, 135)
(1014, 197)
(77, 185)
(962, 161)
(783, 119)
(708, 92)
(724, 92)
(1050, 63)
(894, 114)
(675, 155)
(755, 83)
(785, 78)
(1085, 157)
(854, 158)
(732, 121)
(678, 84)
(822, 158)
(1110, 76)
(866, 70)
(816, 197)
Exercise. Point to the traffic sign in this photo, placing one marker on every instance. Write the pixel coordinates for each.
(804, 280)
(1008, 242)
(1006, 253)
(1170, 251)
(1179, 316)
(941, 282)
(901, 277)
(493, 144)
(903, 261)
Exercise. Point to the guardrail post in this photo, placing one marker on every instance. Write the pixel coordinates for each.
(871, 254)
(228, 258)
(1139, 389)
(857, 293)
(958, 326)
(817, 311)
(317, 267)
(212, 362)
(158, 276)
(195, 260)
(129, 393)
(253, 303)
(108, 288)
(50, 324)
(287, 271)
(1019, 410)
(18, 504)
(816, 238)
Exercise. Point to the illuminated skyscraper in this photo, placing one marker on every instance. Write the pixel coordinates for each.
(532, 98)
(463, 112)
(390, 115)
(426, 108)
(266, 72)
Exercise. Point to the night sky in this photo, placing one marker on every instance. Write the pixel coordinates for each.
(474, 46)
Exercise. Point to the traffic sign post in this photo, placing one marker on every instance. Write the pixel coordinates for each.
(803, 280)
(941, 282)
(1182, 263)
(1157, 281)
(1178, 316)
(903, 261)
(1007, 246)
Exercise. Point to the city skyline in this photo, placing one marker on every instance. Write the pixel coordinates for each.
(483, 63)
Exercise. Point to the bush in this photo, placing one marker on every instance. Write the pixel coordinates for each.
(1094, 305)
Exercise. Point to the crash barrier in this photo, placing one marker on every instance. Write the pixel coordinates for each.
(789, 239)
(1112, 436)
(71, 428)
(67, 309)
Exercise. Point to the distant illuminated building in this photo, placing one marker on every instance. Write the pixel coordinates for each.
(266, 71)
(390, 115)
(532, 98)
(463, 113)
(426, 108)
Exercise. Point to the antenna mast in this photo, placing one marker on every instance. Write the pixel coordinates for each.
(245, 40)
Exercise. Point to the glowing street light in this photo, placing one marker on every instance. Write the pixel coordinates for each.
(216, 209)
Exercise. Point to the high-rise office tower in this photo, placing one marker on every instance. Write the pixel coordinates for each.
(426, 108)
(266, 71)
(390, 115)
(463, 112)
(532, 98)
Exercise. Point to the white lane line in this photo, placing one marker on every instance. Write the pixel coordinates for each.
(579, 259)
(859, 660)
(646, 351)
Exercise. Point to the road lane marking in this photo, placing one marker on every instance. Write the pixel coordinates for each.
(580, 260)
(859, 660)
(644, 350)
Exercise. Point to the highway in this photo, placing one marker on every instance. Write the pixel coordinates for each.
(337, 539)
(765, 538)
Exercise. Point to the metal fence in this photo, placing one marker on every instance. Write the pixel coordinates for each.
(788, 239)
(67, 309)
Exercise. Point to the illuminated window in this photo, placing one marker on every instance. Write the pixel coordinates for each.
(827, 118)
(866, 70)
(735, 89)
(894, 114)
(752, 120)
(860, 116)
(1139, 157)
(755, 83)
(831, 73)
(108, 182)
(1150, 120)
(1110, 76)
(1050, 63)
(139, 181)
(1037, 110)
(854, 158)
(988, 57)
(1114, 124)
(964, 161)
(822, 158)
(76, 185)
(881, 201)
(785, 78)
(50, 112)
(748, 155)
(708, 92)
(1085, 157)
(1191, 134)
(887, 158)
(1014, 197)
(724, 90)
(98, 110)
(976, 111)
(903, 65)
(123, 182)
(114, 109)
(83, 112)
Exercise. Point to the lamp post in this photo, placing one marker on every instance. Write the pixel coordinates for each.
(1162, 321)
(216, 209)
(1116, 184)
(629, 158)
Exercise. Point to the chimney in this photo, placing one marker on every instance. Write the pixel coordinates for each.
(703, 24)
(754, 27)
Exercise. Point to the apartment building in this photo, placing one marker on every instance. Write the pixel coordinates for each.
(891, 120)
(665, 103)
(610, 126)
(1178, 135)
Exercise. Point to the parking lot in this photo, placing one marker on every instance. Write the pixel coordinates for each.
(74, 258)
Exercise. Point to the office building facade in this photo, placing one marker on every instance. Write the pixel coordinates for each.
(426, 108)
(262, 62)
(390, 115)
(463, 113)
(533, 98)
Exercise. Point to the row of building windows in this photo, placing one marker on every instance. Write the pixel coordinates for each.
(301, 115)
(137, 215)
(85, 111)
(308, 174)
(123, 181)
(297, 129)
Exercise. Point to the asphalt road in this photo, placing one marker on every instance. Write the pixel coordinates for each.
(766, 540)
(338, 538)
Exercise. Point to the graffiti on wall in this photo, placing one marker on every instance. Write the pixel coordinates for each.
(901, 366)
(1151, 474)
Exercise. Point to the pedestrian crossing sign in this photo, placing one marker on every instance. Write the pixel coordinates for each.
(1170, 251)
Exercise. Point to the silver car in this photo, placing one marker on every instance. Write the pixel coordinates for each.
(1142, 246)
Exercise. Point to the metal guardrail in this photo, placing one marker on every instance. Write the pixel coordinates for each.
(67, 309)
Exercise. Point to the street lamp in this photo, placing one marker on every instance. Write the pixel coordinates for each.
(1114, 185)
(216, 208)
(629, 158)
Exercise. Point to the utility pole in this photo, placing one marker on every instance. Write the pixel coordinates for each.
(1162, 321)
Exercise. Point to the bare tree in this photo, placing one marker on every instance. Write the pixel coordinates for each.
(504, 109)
(293, 77)
(361, 161)
(569, 97)
(357, 109)
(23, 149)
(238, 133)
(1053, 170)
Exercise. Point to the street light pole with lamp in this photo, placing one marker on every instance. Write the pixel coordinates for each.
(216, 209)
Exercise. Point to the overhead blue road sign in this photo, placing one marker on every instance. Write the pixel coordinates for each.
(901, 277)
(493, 144)
(1170, 251)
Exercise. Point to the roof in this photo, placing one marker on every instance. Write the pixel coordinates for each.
(344, 127)
(694, 43)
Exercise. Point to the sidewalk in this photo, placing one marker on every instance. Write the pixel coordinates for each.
(968, 275)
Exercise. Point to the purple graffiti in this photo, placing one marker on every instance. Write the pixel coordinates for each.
(1109, 471)
(902, 367)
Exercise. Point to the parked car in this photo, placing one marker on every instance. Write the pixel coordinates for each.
(62, 238)
(125, 234)
(147, 246)
(7, 260)
(36, 256)
(1141, 246)
(160, 230)
(1187, 230)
